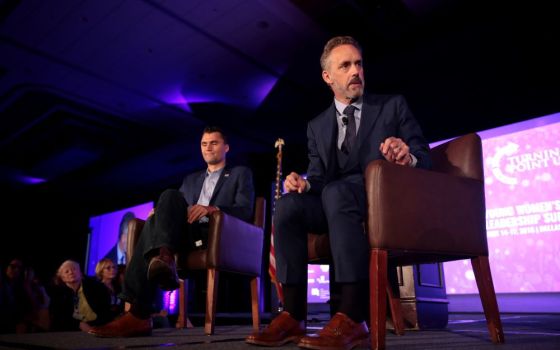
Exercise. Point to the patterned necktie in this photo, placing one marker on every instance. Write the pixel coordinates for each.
(350, 121)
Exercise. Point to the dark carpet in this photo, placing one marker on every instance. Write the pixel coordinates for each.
(464, 331)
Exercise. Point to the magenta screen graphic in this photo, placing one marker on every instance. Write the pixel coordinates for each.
(522, 188)
(317, 283)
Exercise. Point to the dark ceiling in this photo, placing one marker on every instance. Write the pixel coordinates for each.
(102, 101)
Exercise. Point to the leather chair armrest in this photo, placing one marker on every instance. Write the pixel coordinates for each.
(234, 245)
(425, 211)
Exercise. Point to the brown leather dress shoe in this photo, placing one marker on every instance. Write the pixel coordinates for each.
(340, 333)
(127, 325)
(163, 270)
(283, 329)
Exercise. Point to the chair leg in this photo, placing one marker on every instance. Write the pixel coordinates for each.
(378, 297)
(483, 277)
(396, 310)
(211, 300)
(183, 318)
(255, 281)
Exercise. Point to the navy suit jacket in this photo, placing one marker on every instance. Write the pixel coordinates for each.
(382, 116)
(112, 254)
(233, 194)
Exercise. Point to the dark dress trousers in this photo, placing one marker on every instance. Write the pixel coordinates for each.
(168, 227)
(336, 201)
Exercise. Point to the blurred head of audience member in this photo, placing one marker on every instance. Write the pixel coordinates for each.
(70, 275)
(106, 272)
(14, 271)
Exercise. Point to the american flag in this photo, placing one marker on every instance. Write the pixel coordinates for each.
(272, 258)
(272, 267)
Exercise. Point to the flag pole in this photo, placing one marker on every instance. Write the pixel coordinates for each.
(277, 194)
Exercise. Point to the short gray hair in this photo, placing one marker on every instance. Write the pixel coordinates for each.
(335, 42)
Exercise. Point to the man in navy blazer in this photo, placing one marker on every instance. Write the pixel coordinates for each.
(353, 131)
(181, 217)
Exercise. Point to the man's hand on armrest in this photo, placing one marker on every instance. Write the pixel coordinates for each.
(397, 151)
(196, 212)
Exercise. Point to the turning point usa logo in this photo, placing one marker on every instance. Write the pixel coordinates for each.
(508, 163)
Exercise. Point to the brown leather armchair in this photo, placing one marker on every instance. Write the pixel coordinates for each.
(417, 216)
(233, 246)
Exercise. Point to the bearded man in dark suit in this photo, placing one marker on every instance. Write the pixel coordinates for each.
(353, 131)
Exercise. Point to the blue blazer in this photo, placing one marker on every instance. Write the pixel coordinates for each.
(382, 116)
(234, 192)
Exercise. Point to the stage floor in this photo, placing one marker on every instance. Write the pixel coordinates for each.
(465, 331)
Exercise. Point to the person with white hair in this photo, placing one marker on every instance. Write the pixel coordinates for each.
(78, 302)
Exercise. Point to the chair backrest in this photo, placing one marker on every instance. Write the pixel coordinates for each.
(460, 157)
(134, 228)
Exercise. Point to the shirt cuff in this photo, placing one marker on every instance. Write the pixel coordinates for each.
(414, 160)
